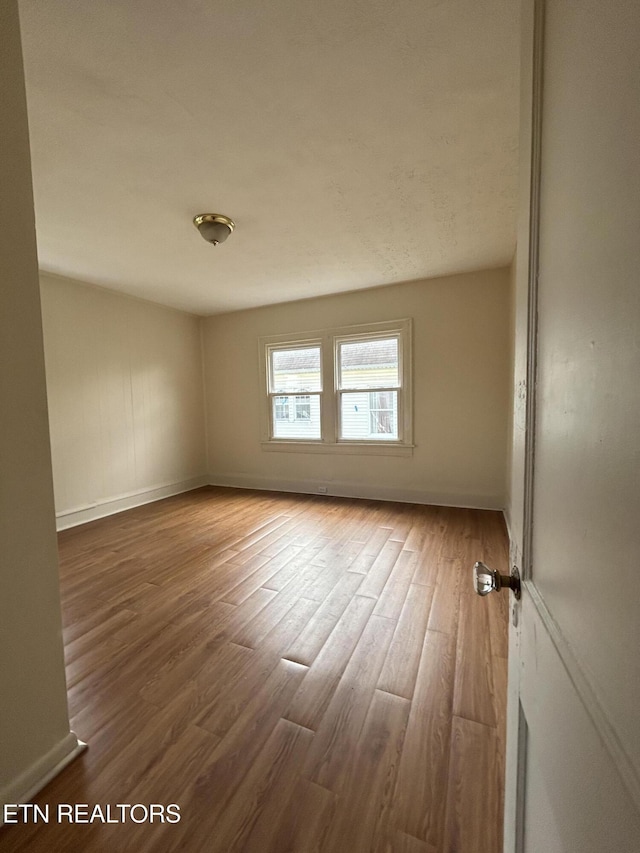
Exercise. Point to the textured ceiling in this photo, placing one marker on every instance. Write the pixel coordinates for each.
(354, 142)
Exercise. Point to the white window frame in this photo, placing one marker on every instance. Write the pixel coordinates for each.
(339, 390)
(306, 343)
(328, 340)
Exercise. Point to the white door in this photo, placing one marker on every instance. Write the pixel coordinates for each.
(573, 765)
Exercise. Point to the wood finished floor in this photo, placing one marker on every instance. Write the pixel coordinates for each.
(297, 673)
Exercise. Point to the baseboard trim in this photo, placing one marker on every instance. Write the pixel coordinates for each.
(31, 781)
(345, 489)
(110, 506)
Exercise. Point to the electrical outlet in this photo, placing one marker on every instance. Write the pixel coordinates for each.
(322, 490)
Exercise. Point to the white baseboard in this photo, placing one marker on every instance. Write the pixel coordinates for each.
(345, 489)
(34, 778)
(109, 506)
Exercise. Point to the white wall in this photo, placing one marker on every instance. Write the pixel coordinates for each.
(124, 381)
(34, 726)
(461, 393)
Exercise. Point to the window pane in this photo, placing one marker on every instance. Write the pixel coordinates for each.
(369, 416)
(295, 370)
(369, 364)
(281, 410)
(303, 408)
(302, 418)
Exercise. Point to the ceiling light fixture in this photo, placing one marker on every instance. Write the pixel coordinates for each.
(214, 227)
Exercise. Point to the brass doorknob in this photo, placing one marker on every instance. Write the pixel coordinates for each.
(486, 580)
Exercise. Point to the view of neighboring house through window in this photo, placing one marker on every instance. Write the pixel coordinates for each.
(303, 408)
(383, 408)
(282, 408)
(293, 370)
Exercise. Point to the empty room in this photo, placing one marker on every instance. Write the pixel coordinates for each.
(319, 463)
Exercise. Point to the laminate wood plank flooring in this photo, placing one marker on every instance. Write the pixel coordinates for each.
(423, 774)
(392, 598)
(472, 823)
(335, 745)
(474, 688)
(299, 674)
(400, 669)
(365, 817)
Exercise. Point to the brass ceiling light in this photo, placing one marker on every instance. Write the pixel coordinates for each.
(214, 227)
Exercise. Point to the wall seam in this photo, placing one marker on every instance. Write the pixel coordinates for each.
(205, 396)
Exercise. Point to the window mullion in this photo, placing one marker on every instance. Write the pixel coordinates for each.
(328, 399)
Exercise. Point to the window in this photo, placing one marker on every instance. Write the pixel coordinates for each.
(295, 416)
(344, 390)
(362, 365)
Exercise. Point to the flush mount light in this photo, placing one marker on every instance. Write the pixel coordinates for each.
(214, 227)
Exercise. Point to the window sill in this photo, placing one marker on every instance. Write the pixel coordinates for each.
(352, 448)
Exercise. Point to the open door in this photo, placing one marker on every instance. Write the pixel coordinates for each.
(573, 733)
